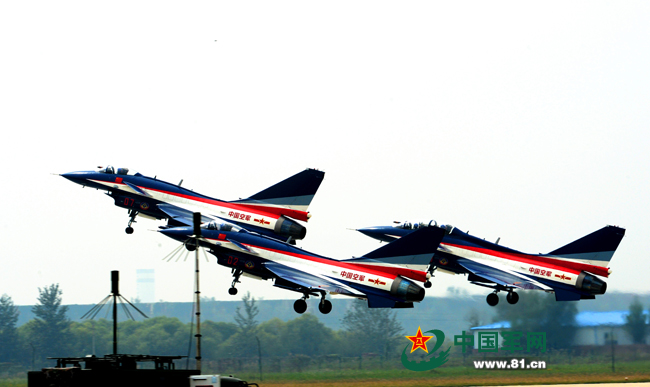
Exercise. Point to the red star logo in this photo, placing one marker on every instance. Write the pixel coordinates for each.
(419, 341)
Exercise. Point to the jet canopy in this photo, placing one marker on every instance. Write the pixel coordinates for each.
(415, 225)
(221, 226)
(111, 171)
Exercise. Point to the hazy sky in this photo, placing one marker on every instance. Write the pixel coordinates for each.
(528, 121)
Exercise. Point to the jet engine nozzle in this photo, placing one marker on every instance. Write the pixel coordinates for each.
(287, 227)
(591, 284)
(407, 290)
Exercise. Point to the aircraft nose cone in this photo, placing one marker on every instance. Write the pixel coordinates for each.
(178, 233)
(75, 177)
(370, 231)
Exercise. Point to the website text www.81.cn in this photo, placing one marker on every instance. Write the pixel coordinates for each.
(510, 364)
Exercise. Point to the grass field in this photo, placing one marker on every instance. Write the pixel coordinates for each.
(638, 371)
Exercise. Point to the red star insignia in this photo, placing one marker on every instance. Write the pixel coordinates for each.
(419, 341)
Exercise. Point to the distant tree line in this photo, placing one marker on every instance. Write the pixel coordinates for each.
(52, 334)
(364, 332)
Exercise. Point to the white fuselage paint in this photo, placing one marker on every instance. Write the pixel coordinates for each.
(556, 275)
(331, 271)
(266, 221)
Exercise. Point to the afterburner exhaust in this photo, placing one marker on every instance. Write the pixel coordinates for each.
(407, 290)
(289, 228)
(591, 284)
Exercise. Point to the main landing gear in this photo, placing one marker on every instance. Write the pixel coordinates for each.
(493, 298)
(512, 298)
(300, 306)
(132, 214)
(233, 290)
(324, 306)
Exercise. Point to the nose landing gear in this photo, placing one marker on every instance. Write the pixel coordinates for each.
(233, 290)
(132, 214)
(432, 269)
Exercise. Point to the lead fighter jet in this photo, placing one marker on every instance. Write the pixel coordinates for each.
(570, 271)
(269, 212)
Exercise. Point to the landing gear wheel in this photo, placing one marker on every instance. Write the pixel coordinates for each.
(427, 284)
(492, 299)
(232, 291)
(190, 247)
(132, 215)
(300, 306)
(512, 298)
(324, 306)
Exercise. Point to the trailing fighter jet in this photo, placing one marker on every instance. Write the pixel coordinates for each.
(267, 212)
(386, 277)
(570, 271)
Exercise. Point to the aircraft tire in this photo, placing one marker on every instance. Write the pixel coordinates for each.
(325, 307)
(512, 298)
(190, 247)
(129, 230)
(492, 299)
(232, 291)
(427, 284)
(300, 306)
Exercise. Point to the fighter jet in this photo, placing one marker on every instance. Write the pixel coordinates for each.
(269, 212)
(571, 272)
(386, 277)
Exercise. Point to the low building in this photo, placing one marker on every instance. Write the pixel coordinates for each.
(594, 328)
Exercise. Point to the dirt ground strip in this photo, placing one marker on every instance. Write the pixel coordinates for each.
(468, 381)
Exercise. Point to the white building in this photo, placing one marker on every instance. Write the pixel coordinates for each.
(146, 285)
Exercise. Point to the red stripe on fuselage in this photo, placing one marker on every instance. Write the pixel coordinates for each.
(272, 212)
(296, 214)
(404, 272)
(332, 262)
(552, 263)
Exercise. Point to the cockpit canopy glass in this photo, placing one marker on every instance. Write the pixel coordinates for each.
(221, 226)
(415, 225)
(111, 171)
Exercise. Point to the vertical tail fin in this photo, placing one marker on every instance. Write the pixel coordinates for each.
(413, 251)
(295, 192)
(595, 249)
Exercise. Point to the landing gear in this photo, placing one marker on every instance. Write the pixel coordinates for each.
(190, 246)
(492, 299)
(233, 290)
(512, 298)
(300, 306)
(432, 269)
(132, 214)
(325, 306)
